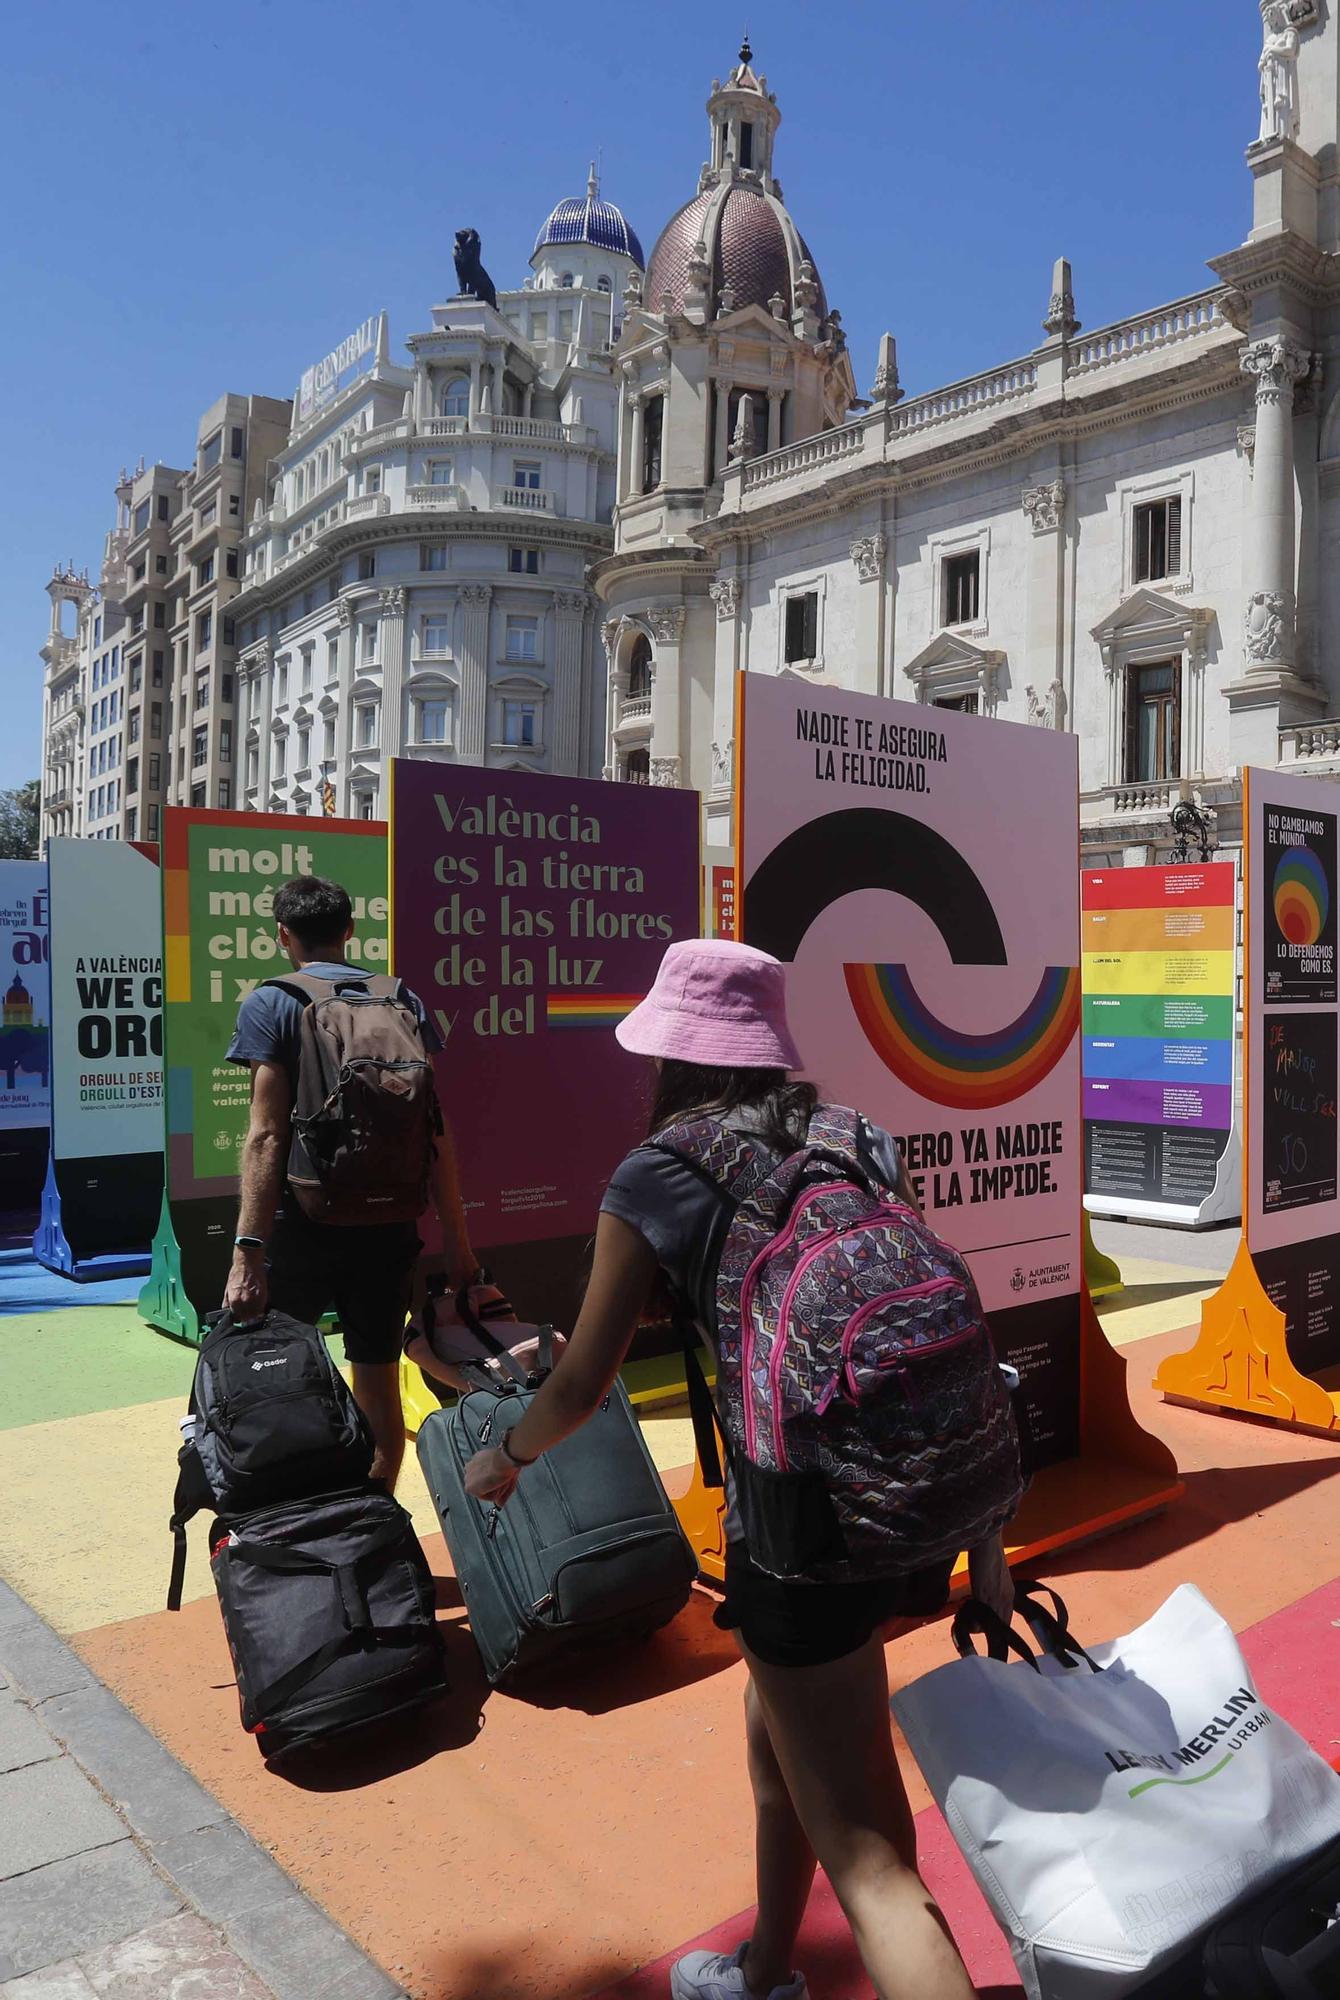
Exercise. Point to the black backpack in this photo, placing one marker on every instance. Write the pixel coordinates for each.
(274, 1421)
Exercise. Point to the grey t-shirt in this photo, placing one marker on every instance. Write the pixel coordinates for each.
(269, 1021)
(685, 1218)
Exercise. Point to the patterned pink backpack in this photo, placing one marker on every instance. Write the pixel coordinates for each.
(867, 1425)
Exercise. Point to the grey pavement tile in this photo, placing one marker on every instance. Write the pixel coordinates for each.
(23, 1740)
(183, 1955)
(55, 1982)
(156, 1795)
(38, 1663)
(50, 1811)
(223, 1871)
(300, 1953)
(54, 1913)
(15, 1610)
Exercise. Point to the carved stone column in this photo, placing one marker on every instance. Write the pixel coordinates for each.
(474, 600)
(1115, 745)
(609, 639)
(667, 630)
(867, 554)
(721, 443)
(391, 647)
(1268, 629)
(638, 405)
(1044, 648)
(260, 666)
(775, 397)
(728, 596)
(566, 756)
(344, 714)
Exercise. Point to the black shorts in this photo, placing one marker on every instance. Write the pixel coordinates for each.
(363, 1275)
(790, 1624)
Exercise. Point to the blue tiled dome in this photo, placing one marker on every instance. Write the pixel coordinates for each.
(591, 220)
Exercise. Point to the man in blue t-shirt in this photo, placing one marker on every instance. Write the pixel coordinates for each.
(281, 1257)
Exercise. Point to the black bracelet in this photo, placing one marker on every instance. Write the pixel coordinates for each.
(248, 1242)
(506, 1449)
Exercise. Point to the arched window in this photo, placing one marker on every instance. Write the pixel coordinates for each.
(566, 281)
(456, 397)
(603, 284)
(639, 668)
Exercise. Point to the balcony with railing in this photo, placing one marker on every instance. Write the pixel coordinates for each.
(366, 505)
(527, 500)
(445, 497)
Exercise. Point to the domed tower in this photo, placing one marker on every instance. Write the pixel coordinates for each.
(729, 349)
(18, 1011)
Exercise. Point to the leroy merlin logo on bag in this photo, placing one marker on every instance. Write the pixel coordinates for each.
(1225, 1733)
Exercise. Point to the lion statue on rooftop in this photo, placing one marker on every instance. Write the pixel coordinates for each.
(473, 279)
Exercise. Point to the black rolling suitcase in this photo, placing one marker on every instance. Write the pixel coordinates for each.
(588, 1550)
(329, 1608)
(1284, 1943)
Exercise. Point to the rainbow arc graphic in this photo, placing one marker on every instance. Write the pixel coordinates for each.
(944, 1065)
(1301, 897)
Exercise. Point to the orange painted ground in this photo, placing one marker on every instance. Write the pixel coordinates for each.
(500, 1849)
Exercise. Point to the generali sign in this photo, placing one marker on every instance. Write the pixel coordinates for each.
(319, 384)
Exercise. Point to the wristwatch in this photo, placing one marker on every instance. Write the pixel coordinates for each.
(248, 1242)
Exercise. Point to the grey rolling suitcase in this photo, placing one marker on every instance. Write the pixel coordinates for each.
(586, 1553)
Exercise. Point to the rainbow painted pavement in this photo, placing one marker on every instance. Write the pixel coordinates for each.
(572, 1844)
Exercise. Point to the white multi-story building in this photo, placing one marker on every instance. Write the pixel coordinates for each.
(108, 673)
(1130, 532)
(416, 584)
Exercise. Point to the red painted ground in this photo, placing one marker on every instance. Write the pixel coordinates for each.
(499, 1849)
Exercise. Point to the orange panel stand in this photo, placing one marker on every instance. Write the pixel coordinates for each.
(1240, 1363)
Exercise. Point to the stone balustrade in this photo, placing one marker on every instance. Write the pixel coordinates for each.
(534, 430)
(959, 399)
(1310, 743)
(635, 708)
(794, 460)
(1127, 339)
(1142, 800)
(365, 505)
(526, 499)
(449, 499)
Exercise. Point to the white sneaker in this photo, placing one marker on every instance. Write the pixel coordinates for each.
(710, 1975)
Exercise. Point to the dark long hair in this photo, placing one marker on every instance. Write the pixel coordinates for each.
(779, 1108)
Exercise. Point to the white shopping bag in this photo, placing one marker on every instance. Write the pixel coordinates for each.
(1110, 1817)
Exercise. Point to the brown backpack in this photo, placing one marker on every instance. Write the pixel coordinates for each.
(365, 1113)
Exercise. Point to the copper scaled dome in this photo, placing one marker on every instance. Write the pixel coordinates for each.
(752, 245)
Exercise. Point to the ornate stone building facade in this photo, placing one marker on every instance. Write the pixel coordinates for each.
(416, 582)
(1129, 532)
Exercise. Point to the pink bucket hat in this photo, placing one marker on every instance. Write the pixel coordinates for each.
(719, 1004)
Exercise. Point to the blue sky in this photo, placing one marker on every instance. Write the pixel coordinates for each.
(203, 198)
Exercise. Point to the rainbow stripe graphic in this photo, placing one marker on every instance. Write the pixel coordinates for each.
(588, 1010)
(965, 1072)
(1302, 899)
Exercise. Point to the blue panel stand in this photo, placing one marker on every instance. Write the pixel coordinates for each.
(51, 1245)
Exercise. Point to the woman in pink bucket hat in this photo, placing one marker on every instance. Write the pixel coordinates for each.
(824, 1772)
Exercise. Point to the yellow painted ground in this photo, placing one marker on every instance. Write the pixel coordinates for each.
(85, 1536)
(1154, 1298)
